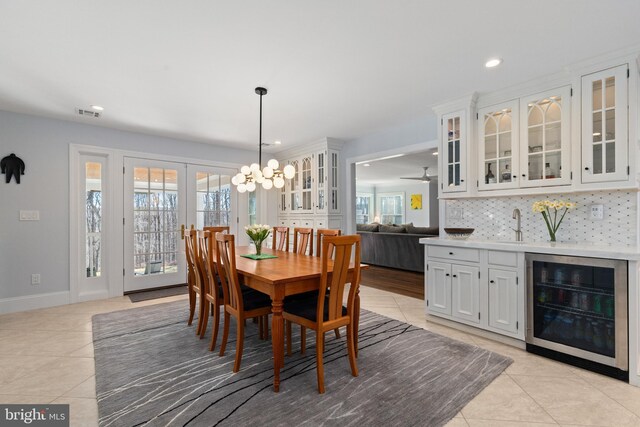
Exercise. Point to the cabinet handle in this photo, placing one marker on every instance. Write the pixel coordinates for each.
(586, 168)
(524, 176)
(455, 275)
(515, 176)
(447, 274)
(491, 281)
(462, 180)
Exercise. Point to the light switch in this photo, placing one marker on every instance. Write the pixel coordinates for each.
(597, 212)
(29, 215)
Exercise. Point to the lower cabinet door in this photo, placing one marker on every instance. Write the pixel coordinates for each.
(438, 288)
(465, 292)
(503, 300)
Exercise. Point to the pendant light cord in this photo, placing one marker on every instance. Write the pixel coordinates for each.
(260, 136)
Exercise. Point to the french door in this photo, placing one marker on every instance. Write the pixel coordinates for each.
(154, 209)
(159, 198)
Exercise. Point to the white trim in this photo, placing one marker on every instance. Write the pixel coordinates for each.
(32, 302)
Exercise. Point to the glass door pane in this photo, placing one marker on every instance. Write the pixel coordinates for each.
(93, 218)
(575, 305)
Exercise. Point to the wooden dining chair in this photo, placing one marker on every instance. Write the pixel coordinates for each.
(239, 304)
(303, 240)
(211, 289)
(280, 239)
(194, 277)
(321, 233)
(326, 312)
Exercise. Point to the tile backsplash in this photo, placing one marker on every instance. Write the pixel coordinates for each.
(492, 217)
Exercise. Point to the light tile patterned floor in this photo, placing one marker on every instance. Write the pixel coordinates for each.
(46, 356)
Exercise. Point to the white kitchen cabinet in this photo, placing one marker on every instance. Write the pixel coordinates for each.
(503, 300)
(476, 287)
(604, 125)
(465, 292)
(438, 292)
(312, 197)
(545, 141)
(498, 140)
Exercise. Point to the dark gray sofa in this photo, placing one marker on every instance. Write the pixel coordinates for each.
(400, 250)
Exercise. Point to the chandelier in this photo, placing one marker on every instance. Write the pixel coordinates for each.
(269, 177)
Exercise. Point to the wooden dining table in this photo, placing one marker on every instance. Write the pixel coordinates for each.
(288, 274)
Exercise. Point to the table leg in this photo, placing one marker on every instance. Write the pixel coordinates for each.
(277, 340)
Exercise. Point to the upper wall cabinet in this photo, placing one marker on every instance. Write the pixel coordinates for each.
(454, 152)
(498, 144)
(604, 125)
(545, 157)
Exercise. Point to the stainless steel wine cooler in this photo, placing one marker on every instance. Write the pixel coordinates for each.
(577, 311)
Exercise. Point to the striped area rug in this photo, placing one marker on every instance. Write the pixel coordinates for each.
(152, 370)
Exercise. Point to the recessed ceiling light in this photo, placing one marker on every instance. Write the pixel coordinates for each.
(366, 165)
(435, 153)
(97, 107)
(277, 142)
(493, 62)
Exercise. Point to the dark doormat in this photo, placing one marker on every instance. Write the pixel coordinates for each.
(158, 293)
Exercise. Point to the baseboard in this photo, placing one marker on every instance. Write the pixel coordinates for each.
(32, 302)
(514, 342)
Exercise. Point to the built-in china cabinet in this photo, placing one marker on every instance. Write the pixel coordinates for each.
(562, 134)
(312, 197)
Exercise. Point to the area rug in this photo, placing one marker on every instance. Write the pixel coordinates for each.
(152, 370)
(158, 293)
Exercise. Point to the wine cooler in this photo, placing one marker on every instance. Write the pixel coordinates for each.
(577, 312)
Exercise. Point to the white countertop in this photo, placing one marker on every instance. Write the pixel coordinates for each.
(594, 250)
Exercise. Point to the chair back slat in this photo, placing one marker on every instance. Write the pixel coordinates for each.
(201, 260)
(303, 240)
(320, 234)
(226, 260)
(216, 229)
(280, 239)
(192, 253)
(335, 282)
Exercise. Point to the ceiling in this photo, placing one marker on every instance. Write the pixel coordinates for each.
(333, 68)
(388, 171)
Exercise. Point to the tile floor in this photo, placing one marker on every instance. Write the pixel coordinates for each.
(46, 356)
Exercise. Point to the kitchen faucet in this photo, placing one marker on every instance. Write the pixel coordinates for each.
(516, 215)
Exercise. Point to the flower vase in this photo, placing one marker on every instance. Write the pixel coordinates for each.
(258, 247)
(552, 236)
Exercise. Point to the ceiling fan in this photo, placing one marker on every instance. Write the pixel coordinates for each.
(423, 178)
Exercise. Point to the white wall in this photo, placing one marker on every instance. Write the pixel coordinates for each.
(43, 144)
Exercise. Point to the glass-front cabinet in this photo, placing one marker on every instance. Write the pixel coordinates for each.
(454, 147)
(321, 179)
(604, 125)
(498, 142)
(545, 120)
(306, 184)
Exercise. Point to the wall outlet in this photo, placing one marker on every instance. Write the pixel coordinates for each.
(29, 215)
(597, 212)
(456, 213)
(35, 279)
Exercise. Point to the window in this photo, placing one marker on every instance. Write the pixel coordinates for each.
(364, 205)
(214, 199)
(93, 215)
(391, 207)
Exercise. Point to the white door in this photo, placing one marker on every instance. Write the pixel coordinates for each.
(438, 287)
(154, 209)
(465, 293)
(503, 300)
(211, 200)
